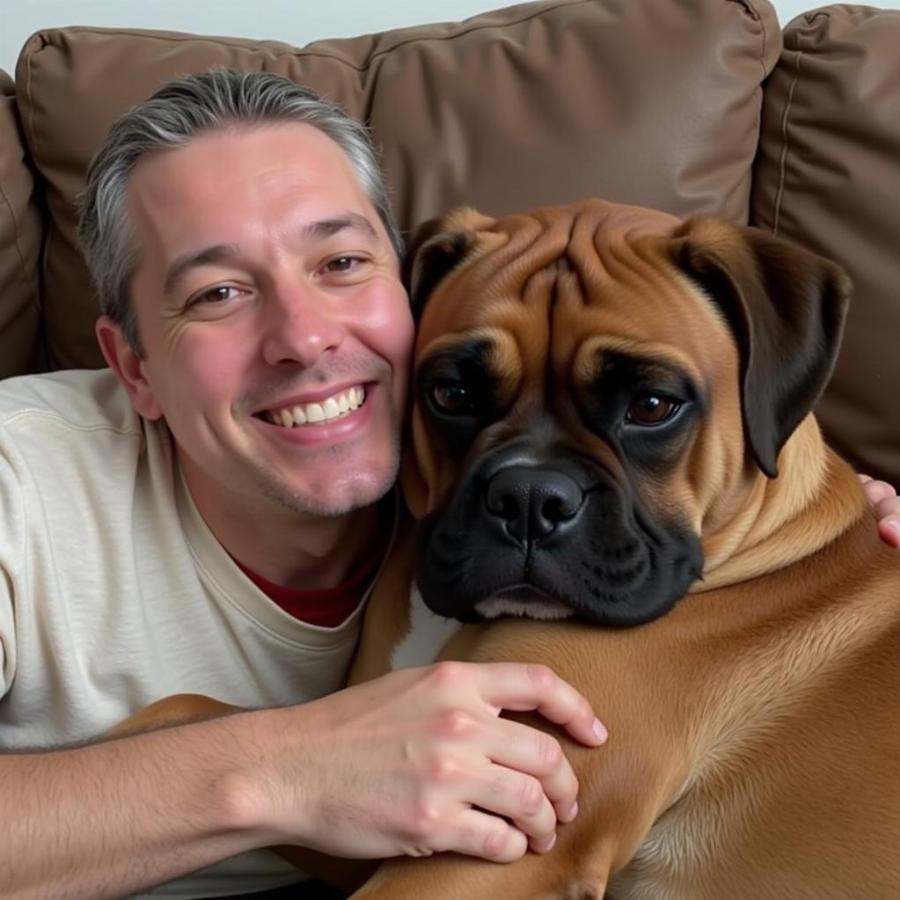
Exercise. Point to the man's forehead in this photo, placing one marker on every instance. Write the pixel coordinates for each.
(286, 170)
(247, 157)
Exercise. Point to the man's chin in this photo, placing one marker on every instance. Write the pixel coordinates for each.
(335, 499)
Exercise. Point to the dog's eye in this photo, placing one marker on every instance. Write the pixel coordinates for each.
(450, 397)
(651, 409)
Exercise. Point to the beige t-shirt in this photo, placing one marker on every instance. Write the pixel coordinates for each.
(114, 593)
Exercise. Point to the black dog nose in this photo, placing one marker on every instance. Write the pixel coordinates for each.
(532, 502)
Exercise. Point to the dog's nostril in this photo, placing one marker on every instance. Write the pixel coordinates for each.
(507, 508)
(532, 502)
(560, 509)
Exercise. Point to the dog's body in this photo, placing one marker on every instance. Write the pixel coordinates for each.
(752, 752)
(754, 728)
(603, 399)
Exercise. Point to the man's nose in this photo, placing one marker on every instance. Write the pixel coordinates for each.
(299, 325)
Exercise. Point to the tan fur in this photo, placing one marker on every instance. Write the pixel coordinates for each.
(754, 730)
(176, 709)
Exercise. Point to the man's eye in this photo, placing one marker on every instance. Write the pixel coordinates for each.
(450, 398)
(218, 294)
(651, 409)
(342, 264)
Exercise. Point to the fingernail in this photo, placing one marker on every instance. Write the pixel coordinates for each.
(573, 811)
(600, 731)
(892, 523)
(545, 845)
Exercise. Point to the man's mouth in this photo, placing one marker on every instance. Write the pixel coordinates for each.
(319, 413)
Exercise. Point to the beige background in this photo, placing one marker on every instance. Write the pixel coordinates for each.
(293, 21)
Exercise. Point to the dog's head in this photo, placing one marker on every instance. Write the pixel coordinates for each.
(595, 387)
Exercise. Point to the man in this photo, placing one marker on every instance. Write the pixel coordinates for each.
(205, 517)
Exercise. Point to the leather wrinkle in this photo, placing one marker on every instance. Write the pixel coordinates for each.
(785, 142)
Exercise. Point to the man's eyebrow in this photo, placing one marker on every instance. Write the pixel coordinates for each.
(325, 228)
(192, 260)
(312, 231)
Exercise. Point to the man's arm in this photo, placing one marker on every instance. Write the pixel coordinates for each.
(400, 765)
(108, 819)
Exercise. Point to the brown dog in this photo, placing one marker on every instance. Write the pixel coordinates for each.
(612, 428)
(604, 398)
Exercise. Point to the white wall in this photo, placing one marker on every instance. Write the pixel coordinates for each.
(294, 21)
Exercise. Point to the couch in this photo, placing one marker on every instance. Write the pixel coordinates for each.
(692, 106)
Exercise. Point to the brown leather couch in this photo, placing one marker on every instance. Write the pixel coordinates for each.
(687, 105)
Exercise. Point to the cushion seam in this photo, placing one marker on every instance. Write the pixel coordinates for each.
(302, 51)
(785, 143)
(17, 229)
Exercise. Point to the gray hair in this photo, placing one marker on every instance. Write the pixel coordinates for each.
(176, 113)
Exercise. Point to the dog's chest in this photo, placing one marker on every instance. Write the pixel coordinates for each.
(428, 632)
(665, 866)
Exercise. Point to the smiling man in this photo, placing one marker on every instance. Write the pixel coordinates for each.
(207, 515)
(275, 339)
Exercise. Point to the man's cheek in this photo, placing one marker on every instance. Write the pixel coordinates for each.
(393, 338)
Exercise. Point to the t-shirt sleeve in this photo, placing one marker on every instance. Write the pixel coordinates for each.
(12, 562)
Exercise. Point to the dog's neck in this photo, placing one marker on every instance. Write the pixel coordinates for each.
(815, 498)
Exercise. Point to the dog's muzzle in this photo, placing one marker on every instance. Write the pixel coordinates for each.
(552, 541)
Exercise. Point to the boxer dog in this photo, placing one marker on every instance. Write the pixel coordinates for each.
(611, 433)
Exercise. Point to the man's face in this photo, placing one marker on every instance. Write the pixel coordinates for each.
(275, 330)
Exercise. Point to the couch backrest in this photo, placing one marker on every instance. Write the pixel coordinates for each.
(647, 101)
(828, 176)
(655, 102)
(20, 244)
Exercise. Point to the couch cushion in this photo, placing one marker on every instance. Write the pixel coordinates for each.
(20, 245)
(828, 176)
(649, 101)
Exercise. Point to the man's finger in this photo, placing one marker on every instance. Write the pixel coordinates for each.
(889, 530)
(519, 798)
(877, 491)
(525, 749)
(490, 837)
(521, 687)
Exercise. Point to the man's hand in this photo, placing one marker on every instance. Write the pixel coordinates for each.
(420, 761)
(886, 505)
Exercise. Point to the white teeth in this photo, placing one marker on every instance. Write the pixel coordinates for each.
(316, 413)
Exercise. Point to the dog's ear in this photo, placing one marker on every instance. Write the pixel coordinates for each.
(435, 249)
(786, 307)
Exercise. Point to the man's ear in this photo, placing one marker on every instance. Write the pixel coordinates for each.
(128, 364)
(435, 249)
(786, 308)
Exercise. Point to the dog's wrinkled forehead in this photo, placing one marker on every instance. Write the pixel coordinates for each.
(518, 257)
(559, 289)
